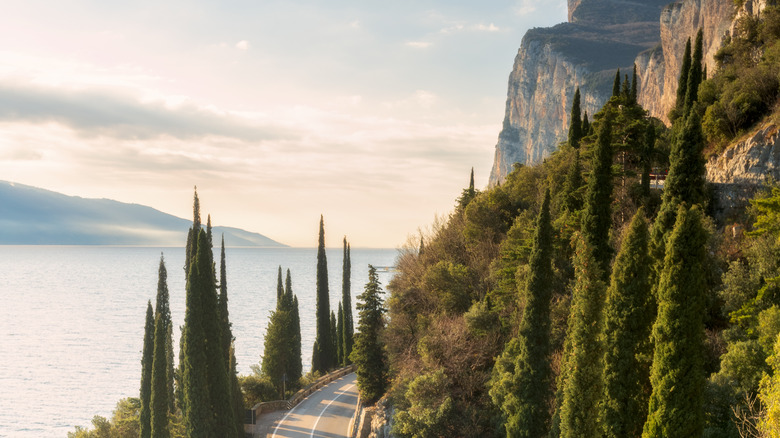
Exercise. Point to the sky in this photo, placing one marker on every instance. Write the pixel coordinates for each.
(279, 111)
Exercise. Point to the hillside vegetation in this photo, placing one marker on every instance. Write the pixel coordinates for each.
(576, 299)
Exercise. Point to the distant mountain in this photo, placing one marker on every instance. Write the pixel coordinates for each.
(33, 216)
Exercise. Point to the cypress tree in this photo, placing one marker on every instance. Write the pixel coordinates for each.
(224, 314)
(368, 353)
(597, 216)
(677, 373)
(521, 377)
(192, 235)
(208, 231)
(575, 124)
(235, 392)
(346, 300)
(634, 85)
(279, 287)
(146, 374)
(628, 318)
(198, 414)
(159, 399)
(616, 85)
(682, 82)
(625, 90)
(685, 183)
(572, 200)
(646, 162)
(295, 370)
(334, 337)
(163, 310)
(217, 362)
(585, 125)
(695, 74)
(582, 382)
(340, 336)
(323, 358)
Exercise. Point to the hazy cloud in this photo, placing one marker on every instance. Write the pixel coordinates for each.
(107, 113)
(419, 44)
(242, 45)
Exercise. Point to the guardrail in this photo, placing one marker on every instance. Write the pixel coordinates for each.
(280, 405)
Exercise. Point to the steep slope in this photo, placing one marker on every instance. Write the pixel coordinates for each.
(33, 216)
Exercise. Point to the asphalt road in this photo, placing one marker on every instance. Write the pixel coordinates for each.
(324, 414)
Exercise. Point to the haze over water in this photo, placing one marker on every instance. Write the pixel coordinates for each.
(72, 319)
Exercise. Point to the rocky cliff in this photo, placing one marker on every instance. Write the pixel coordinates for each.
(601, 35)
(659, 68)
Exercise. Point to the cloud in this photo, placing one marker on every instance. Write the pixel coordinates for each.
(419, 44)
(242, 45)
(486, 28)
(99, 112)
(525, 7)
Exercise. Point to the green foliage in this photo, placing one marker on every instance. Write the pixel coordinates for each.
(769, 422)
(369, 351)
(124, 423)
(450, 283)
(346, 300)
(163, 310)
(158, 404)
(340, 335)
(282, 351)
(575, 123)
(682, 83)
(597, 216)
(325, 353)
(616, 85)
(629, 312)
(677, 374)
(521, 377)
(146, 373)
(582, 374)
(256, 389)
(431, 412)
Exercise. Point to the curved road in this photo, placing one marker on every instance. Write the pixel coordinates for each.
(324, 414)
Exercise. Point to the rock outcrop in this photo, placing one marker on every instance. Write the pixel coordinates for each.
(659, 68)
(601, 35)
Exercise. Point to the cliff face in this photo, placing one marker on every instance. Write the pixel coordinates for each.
(601, 35)
(659, 68)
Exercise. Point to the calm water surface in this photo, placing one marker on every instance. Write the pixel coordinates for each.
(72, 318)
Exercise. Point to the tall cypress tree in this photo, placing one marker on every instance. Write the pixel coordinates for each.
(159, 399)
(685, 184)
(146, 374)
(340, 335)
(279, 287)
(616, 85)
(575, 124)
(162, 309)
(682, 83)
(192, 235)
(646, 163)
(235, 392)
(521, 377)
(597, 216)
(625, 90)
(224, 314)
(582, 382)
(216, 357)
(634, 86)
(296, 366)
(323, 358)
(677, 374)
(369, 351)
(628, 317)
(346, 301)
(695, 75)
(208, 231)
(334, 337)
(198, 414)
(585, 124)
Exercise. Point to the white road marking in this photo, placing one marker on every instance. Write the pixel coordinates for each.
(314, 428)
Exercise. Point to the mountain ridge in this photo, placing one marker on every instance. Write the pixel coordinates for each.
(35, 216)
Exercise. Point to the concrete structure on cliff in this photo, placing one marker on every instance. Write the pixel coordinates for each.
(601, 35)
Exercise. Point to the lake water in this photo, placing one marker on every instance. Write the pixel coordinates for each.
(72, 319)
